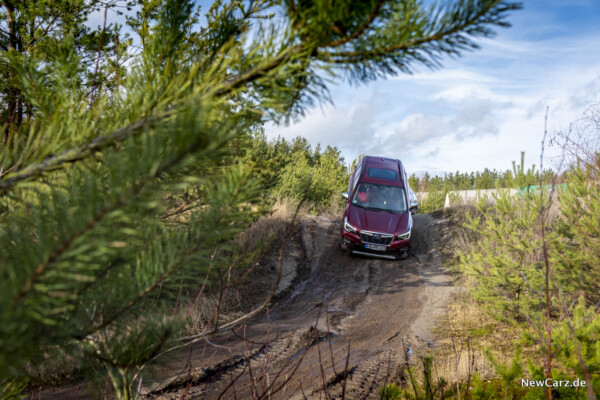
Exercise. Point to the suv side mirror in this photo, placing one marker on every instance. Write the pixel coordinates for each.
(345, 196)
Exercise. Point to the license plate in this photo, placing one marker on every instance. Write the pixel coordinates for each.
(374, 247)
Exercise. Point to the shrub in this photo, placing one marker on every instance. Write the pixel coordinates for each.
(542, 273)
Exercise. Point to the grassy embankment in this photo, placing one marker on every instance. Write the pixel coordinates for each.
(528, 267)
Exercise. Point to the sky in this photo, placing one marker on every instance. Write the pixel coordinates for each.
(480, 110)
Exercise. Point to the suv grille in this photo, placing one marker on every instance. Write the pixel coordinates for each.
(376, 238)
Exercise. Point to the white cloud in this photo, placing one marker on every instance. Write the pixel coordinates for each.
(481, 110)
(341, 127)
(446, 75)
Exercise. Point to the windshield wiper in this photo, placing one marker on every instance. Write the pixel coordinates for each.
(379, 209)
(384, 210)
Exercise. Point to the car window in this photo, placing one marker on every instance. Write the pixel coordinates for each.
(375, 196)
(356, 175)
(382, 173)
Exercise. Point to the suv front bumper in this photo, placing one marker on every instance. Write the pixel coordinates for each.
(352, 243)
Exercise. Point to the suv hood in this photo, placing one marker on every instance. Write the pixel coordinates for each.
(377, 221)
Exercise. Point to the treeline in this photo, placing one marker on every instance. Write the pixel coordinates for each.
(486, 179)
(438, 187)
(293, 169)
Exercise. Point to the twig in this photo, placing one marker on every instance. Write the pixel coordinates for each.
(248, 363)
(546, 264)
(407, 366)
(330, 347)
(471, 358)
(117, 63)
(82, 152)
(139, 389)
(193, 338)
(457, 354)
(193, 306)
(387, 373)
(346, 372)
(316, 333)
(232, 382)
(98, 57)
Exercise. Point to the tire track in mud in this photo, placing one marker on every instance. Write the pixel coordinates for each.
(341, 310)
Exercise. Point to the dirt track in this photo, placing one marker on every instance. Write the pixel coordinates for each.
(345, 325)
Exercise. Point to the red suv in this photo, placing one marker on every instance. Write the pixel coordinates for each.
(377, 220)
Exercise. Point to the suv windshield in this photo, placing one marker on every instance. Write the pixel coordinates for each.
(374, 196)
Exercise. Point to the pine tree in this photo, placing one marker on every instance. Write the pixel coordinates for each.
(520, 248)
(33, 28)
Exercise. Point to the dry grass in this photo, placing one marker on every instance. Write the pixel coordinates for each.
(247, 284)
(465, 334)
(468, 329)
(52, 367)
(335, 209)
(196, 308)
(457, 238)
(270, 228)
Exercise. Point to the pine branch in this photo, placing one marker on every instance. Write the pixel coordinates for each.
(81, 152)
(123, 199)
(141, 295)
(258, 72)
(42, 268)
(116, 364)
(481, 16)
(360, 30)
(185, 256)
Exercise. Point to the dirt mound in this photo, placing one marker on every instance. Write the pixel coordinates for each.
(342, 328)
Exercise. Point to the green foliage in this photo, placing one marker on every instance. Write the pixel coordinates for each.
(390, 391)
(522, 178)
(433, 201)
(298, 177)
(438, 187)
(486, 179)
(508, 240)
(413, 182)
(118, 184)
(580, 335)
(35, 29)
(508, 373)
(483, 390)
(384, 44)
(320, 183)
(426, 388)
(12, 390)
(521, 247)
(294, 170)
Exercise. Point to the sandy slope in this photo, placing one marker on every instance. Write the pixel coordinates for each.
(344, 325)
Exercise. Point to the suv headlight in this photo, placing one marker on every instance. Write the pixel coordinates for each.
(404, 236)
(348, 227)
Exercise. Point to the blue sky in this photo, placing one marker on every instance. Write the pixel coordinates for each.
(480, 110)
